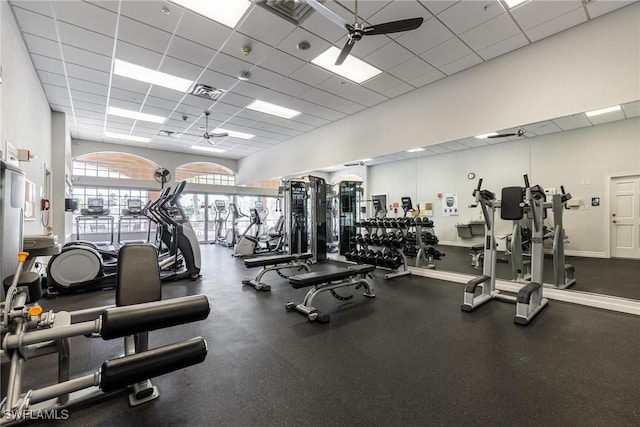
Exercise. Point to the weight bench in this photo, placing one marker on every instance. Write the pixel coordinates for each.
(329, 281)
(274, 263)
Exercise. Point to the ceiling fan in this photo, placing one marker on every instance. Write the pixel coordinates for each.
(519, 132)
(357, 30)
(358, 163)
(207, 136)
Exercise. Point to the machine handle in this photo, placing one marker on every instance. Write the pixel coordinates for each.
(526, 180)
(562, 190)
(479, 184)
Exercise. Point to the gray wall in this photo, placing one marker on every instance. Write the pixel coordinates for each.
(573, 159)
(25, 116)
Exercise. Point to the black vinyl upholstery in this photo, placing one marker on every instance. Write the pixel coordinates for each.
(138, 278)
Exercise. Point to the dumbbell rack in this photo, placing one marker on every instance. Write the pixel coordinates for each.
(395, 237)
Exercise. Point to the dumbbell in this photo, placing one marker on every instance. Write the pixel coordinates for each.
(410, 251)
(367, 238)
(359, 239)
(378, 258)
(370, 257)
(384, 240)
(396, 261)
(375, 240)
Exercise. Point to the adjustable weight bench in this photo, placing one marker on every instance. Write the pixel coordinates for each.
(329, 281)
(274, 263)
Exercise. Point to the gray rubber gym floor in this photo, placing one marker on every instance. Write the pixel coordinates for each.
(408, 357)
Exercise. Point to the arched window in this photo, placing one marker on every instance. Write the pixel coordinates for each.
(269, 183)
(114, 165)
(205, 173)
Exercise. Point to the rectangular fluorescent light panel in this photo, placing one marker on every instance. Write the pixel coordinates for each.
(147, 75)
(513, 3)
(121, 112)
(126, 137)
(233, 133)
(223, 11)
(273, 109)
(209, 149)
(602, 111)
(486, 135)
(352, 68)
(415, 150)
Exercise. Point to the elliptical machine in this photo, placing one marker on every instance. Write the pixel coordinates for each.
(222, 214)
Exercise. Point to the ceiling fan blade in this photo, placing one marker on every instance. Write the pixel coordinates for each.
(218, 135)
(520, 132)
(345, 51)
(393, 27)
(327, 13)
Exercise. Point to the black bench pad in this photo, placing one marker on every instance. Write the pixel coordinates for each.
(320, 277)
(274, 259)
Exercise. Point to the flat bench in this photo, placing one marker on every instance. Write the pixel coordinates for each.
(329, 281)
(274, 263)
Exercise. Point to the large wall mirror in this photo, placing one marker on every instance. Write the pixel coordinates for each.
(596, 159)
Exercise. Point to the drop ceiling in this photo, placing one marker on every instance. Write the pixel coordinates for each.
(73, 46)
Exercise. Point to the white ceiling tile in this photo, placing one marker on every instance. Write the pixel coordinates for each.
(326, 113)
(218, 80)
(52, 79)
(237, 100)
(189, 51)
(572, 122)
(631, 109)
(265, 26)
(398, 10)
(366, 9)
(311, 74)
(131, 85)
(143, 35)
(74, 55)
(491, 32)
(315, 95)
(234, 45)
(473, 142)
(88, 86)
(411, 69)
(281, 62)
(364, 96)
(461, 64)
(397, 90)
(263, 77)
(42, 46)
(343, 105)
(150, 12)
(426, 78)
(504, 46)
(542, 128)
(34, 23)
(47, 64)
(388, 56)
(336, 85)
(201, 30)
(86, 15)
(180, 69)
(41, 7)
(438, 149)
(600, 7)
(229, 65)
(534, 13)
(382, 82)
(429, 35)
(89, 97)
(249, 89)
(365, 46)
(137, 55)
(290, 44)
(438, 6)
(446, 53)
(466, 15)
(291, 87)
(323, 28)
(311, 120)
(454, 146)
(606, 118)
(568, 20)
(85, 39)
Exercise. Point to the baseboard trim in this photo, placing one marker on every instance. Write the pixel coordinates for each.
(622, 305)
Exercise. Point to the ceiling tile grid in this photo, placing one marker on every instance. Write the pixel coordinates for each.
(73, 46)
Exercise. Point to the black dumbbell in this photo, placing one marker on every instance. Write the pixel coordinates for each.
(375, 240)
(367, 238)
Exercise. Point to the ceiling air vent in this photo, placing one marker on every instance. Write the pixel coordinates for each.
(206, 91)
(294, 11)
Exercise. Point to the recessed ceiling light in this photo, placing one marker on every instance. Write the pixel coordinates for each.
(513, 3)
(121, 112)
(603, 111)
(209, 149)
(486, 135)
(276, 110)
(352, 68)
(415, 150)
(126, 137)
(233, 133)
(147, 75)
(223, 11)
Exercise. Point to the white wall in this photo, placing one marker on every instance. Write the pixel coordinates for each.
(593, 65)
(25, 116)
(570, 158)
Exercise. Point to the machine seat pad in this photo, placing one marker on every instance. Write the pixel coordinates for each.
(320, 277)
(268, 260)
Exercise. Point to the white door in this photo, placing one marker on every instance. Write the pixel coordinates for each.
(625, 217)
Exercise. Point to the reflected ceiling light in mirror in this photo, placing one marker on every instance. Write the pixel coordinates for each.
(223, 11)
(513, 3)
(352, 68)
(208, 149)
(273, 109)
(486, 135)
(121, 112)
(415, 150)
(126, 137)
(147, 75)
(603, 111)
